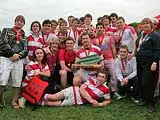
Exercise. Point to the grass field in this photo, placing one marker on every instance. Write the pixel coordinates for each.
(123, 109)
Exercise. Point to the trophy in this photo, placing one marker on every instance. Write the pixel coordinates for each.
(91, 61)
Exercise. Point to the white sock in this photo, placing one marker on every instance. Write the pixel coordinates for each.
(46, 97)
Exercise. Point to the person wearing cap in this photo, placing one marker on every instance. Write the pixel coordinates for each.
(13, 48)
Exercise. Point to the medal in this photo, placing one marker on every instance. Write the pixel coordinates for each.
(17, 42)
(100, 40)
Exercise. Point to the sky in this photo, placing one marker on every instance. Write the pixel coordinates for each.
(131, 10)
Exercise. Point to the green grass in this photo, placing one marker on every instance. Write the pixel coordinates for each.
(119, 110)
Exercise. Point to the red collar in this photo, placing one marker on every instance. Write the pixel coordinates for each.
(15, 30)
(147, 32)
(18, 34)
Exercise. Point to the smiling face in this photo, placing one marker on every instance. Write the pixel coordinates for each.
(113, 20)
(35, 28)
(123, 53)
(86, 41)
(106, 21)
(75, 24)
(19, 22)
(62, 37)
(70, 21)
(120, 24)
(69, 44)
(54, 42)
(88, 20)
(47, 28)
(101, 78)
(54, 26)
(99, 29)
(39, 54)
(146, 24)
(63, 26)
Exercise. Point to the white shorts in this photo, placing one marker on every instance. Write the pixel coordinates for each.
(70, 97)
(11, 69)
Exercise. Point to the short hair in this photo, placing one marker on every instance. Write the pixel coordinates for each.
(113, 15)
(81, 19)
(85, 33)
(20, 17)
(105, 16)
(47, 21)
(60, 19)
(76, 19)
(70, 38)
(148, 20)
(99, 18)
(63, 21)
(103, 71)
(63, 31)
(54, 21)
(88, 15)
(99, 24)
(71, 16)
(121, 18)
(34, 23)
(124, 47)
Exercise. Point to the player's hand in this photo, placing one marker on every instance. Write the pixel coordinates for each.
(15, 57)
(93, 101)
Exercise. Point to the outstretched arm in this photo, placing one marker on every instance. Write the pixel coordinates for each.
(104, 103)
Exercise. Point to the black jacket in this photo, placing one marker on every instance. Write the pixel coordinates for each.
(150, 48)
(8, 45)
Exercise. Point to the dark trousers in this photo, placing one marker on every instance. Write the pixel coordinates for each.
(145, 80)
(131, 89)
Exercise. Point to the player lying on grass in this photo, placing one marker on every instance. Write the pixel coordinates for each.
(89, 92)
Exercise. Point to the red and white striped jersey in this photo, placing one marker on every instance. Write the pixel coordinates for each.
(97, 92)
(33, 44)
(34, 68)
(82, 52)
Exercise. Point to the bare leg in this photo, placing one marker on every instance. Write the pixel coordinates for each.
(56, 97)
(1, 91)
(15, 92)
(2, 99)
(63, 74)
(53, 103)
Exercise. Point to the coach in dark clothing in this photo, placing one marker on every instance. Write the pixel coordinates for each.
(147, 55)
